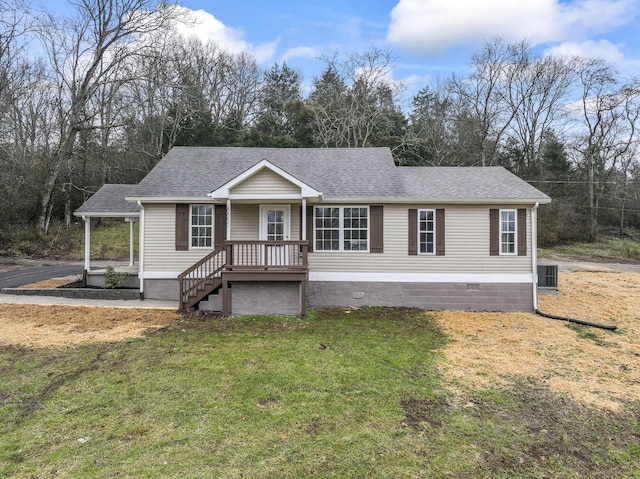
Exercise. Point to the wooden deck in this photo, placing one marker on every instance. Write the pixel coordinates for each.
(245, 261)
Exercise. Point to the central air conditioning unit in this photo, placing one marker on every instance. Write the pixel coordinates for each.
(548, 276)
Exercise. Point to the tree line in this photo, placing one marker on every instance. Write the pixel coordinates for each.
(99, 96)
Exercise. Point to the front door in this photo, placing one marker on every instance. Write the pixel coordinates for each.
(275, 226)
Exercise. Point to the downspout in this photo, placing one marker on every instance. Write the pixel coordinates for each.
(87, 247)
(534, 253)
(534, 262)
(141, 251)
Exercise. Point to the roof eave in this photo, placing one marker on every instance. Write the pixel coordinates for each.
(171, 199)
(106, 214)
(442, 201)
(359, 199)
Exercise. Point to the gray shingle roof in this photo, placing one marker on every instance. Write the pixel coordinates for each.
(110, 199)
(336, 172)
(339, 173)
(473, 184)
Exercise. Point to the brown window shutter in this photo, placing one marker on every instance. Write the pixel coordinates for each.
(377, 229)
(413, 232)
(440, 232)
(219, 225)
(494, 232)
(522, 232)
(182, 227)
(310, 237)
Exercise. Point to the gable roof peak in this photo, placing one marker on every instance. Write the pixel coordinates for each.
(224, 191)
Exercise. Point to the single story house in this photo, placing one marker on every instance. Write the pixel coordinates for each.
(277, 230)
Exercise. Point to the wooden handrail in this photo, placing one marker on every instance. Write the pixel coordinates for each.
(241, 255)
(193, 278)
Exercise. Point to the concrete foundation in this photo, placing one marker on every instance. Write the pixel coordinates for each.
(431, 296)
(284, 297)
(162, 289)
(265, 298)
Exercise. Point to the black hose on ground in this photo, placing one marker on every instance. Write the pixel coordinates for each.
(577, 321)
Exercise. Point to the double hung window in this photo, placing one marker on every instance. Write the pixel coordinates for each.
(341, 228)
(427, 231)
(201, 226)
(508, 232)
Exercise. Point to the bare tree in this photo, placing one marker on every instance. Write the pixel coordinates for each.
(609, 113)
(535, 91)
(86, 52)
(481, 99)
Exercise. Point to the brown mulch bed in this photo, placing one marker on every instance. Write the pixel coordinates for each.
(597, 367)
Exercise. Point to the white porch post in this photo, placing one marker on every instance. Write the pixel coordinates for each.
(131, 221)
(228, 220)
(304, 220)
(87, 242)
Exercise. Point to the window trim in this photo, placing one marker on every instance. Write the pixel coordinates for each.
(210, 226)
(501, 232)
(341, 229)
(433, 232)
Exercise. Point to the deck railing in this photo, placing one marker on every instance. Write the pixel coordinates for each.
(204, 276)
(195, 278)
(267, 255)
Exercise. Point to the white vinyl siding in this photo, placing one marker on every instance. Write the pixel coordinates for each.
(159, 241)
(265, 182)
(466, 244)
(245, 222)
(160, 229)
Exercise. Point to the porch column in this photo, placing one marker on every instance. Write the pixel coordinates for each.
(131, 222)
(304, 219)
(87, 242)
(228, 220)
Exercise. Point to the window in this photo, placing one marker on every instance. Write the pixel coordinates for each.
(341, 228)
(508, 232)
(356, 229)
(426, 231)
(201, 226)
(327, 229)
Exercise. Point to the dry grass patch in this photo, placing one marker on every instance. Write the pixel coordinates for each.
(42, 326)
(50, 283)
(596, 367)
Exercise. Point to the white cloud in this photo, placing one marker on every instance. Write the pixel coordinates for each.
(435, 25)
(589, 49)
(304, 52)
(205, 26)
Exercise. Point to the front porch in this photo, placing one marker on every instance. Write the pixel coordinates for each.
(263, 271)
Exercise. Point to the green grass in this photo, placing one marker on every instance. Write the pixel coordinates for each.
(339, 394)
(611, 248)
(109, 241)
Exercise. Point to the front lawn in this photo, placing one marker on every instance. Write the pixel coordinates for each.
(342, 393)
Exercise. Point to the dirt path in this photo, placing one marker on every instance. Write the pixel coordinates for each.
(568, 265)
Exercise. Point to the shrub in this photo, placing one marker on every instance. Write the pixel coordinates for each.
(113, 279)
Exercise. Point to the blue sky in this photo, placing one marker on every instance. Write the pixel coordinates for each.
(431, 38)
